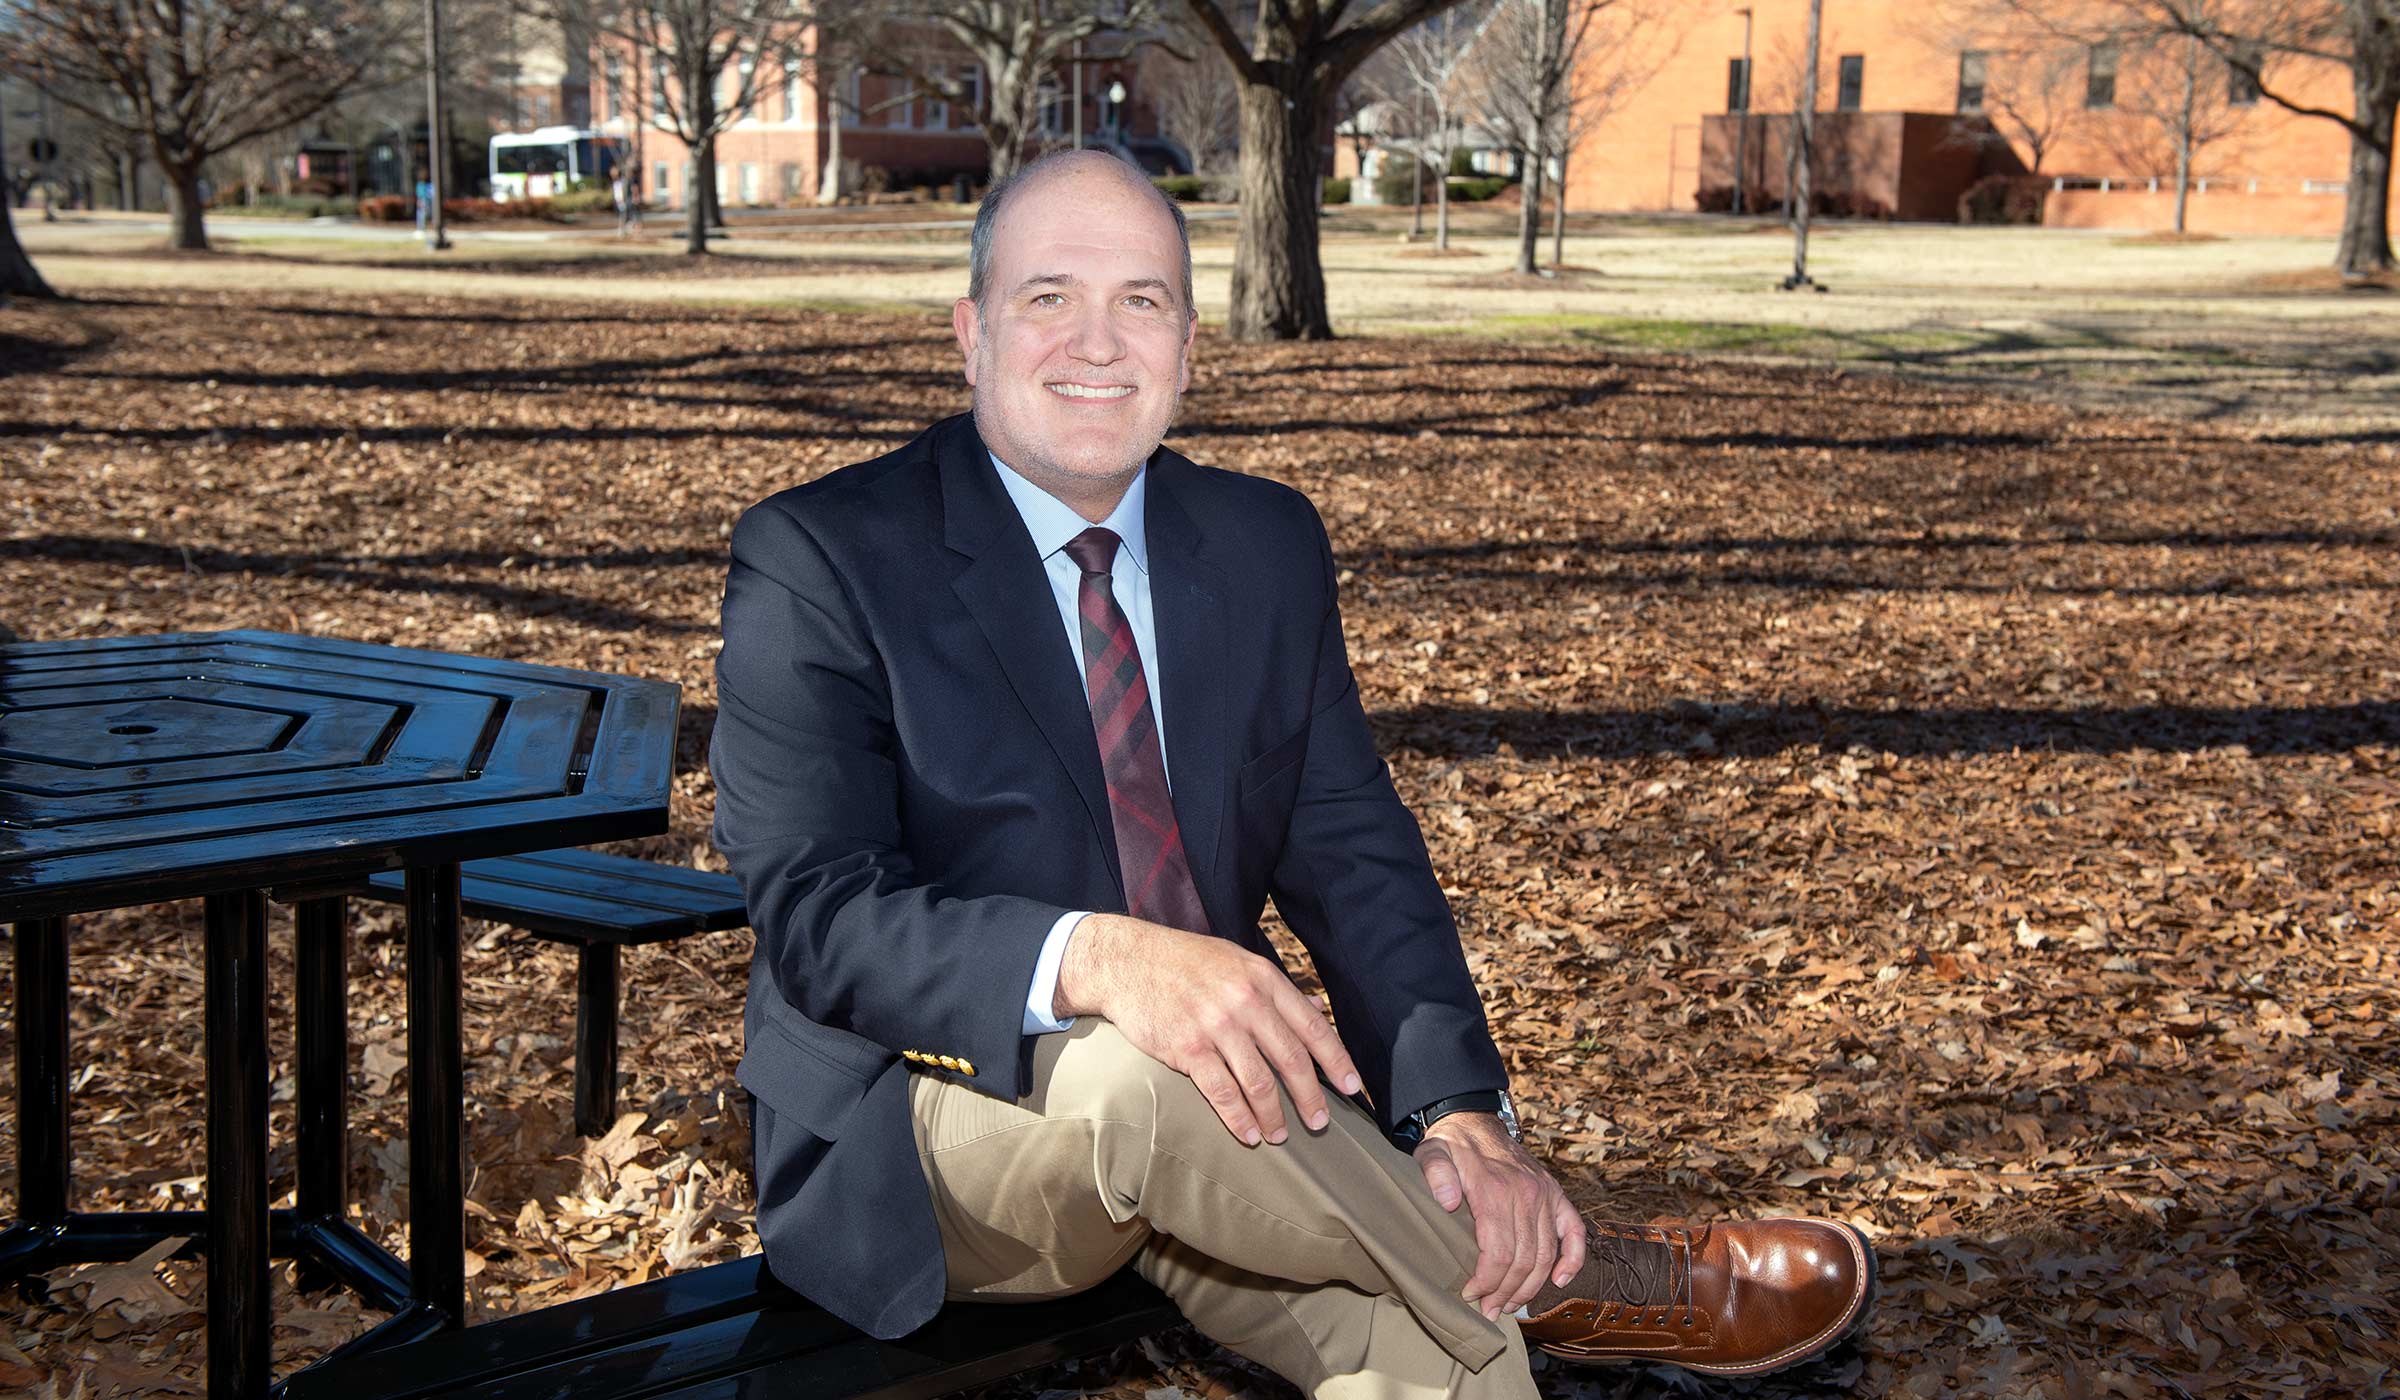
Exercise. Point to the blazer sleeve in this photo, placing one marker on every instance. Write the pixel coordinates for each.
(1356, 884)
(807, 772)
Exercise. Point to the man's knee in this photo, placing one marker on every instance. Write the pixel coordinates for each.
(1095, 1072)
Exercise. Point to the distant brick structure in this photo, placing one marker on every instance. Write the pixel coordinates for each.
(775, 155)
(1901, 103)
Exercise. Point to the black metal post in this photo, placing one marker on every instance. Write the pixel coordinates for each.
(321, 1041)
(41, 948)
(437, 1192)
(596, 1039)
(239, 1352)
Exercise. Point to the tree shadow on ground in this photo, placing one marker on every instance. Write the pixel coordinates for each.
(1737, 730)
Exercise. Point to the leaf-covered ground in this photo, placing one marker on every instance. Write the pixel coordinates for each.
(1969, 818)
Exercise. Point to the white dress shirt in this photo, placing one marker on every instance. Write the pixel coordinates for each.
(1052, 523)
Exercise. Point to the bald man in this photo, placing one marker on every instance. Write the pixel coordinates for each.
(1020, 727)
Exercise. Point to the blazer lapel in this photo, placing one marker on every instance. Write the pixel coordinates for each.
(1187, 606)
(1004, 589)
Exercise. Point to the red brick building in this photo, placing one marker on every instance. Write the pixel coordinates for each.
(892, 132)
(1917, 102)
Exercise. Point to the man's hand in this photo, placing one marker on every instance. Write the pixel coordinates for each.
(1220, 1014)
(1526, 1231)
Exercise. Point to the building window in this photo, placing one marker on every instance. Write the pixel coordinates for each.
(1854, 78)
(2241, 75)
(658, 90)
(791, 89)
(541, 109)
(2100, 79)
(1737, 85)
(853, 98)
(1972, 66)
(662, 181)
(750, 182)
(937, 111)
(974, 97)
(614, 67)
(791, 182)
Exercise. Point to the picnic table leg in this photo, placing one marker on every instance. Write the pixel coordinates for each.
(596, 1038)
(321, 1043)
(240, 1354)
(437, 1193)
(41, 958)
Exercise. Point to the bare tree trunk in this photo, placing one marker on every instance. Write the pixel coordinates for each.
(1278, 283)
(17, 275)
(1416, 189)
(1529, 215)
(2366, 246)
(716, 201)
(1804, 157)
(695, 206)
(1441, 222)
(829, 181)
(2183, 132)
(186, 225)
(1558, 220)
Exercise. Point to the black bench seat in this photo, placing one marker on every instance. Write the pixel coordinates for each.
(600, 903)
(731, 1332)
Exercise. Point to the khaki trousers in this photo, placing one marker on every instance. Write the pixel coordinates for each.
(1323, 1258)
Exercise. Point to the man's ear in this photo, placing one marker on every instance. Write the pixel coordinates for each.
(1191, 336)
(967, 324)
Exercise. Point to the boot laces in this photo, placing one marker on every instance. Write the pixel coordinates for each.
(1648, 1267)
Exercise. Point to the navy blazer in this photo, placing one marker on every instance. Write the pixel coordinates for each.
(909, 789)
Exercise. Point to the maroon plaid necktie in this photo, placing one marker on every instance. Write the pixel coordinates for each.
(1158, 883)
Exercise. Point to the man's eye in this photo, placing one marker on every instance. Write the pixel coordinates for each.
(1050, 299)
(1141, 302)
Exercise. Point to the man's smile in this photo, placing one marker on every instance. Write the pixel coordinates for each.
(1091, 391)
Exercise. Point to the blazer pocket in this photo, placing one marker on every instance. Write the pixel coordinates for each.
(1262, 771)
(811, 1074)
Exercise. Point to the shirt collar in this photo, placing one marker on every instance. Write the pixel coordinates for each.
(1052, 522)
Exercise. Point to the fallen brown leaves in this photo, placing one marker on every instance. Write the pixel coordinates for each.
(1956, 815)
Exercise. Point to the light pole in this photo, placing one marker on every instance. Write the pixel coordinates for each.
(1741, 131)
(437, 150)
(1116, 110)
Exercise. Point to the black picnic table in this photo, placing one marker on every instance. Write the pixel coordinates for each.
(223, 766)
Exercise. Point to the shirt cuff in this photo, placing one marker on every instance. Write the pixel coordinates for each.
(1044, 993)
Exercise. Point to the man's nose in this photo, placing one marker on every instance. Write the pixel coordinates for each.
(1096, 339)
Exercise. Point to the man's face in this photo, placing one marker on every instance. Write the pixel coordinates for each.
(1082, 347)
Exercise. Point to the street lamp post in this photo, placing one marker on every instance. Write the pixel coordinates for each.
(1116, 110)
(437, 150)
(1741, 131)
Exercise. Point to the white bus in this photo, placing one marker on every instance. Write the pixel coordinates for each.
(552, 160)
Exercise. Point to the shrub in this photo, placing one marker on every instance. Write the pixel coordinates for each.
(1718, 199)
(581, 201)
(1183, 189)
(388, 208)
(1477, 190)
(1396, 182)
(2004, 199)
(1462, 162)
(1337, 192)
(302, 206)
(1829, 204)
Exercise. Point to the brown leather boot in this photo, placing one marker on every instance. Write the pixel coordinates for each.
(1736, 1299)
